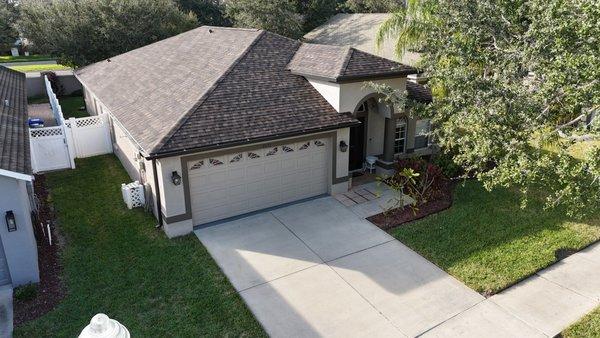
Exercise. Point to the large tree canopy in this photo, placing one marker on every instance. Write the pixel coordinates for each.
(278, 16)
(8, 18)
(85, 31)
(517, 88)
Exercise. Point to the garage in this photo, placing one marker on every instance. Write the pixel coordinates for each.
(229, 184)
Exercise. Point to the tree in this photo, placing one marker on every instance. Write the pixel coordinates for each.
(85, 31)
(208, 12)
(316, 12)
(278, 16)
(372, 6)
(517, 90)
(8, 31)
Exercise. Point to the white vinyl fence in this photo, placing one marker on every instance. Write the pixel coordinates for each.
(54, 148)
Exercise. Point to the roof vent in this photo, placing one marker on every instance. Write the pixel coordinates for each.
(210, 30)
(108, 60)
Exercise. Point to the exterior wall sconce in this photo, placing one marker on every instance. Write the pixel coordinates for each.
(11, 223)
(175, 178)
(343, 146)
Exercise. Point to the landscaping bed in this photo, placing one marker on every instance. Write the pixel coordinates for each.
(32, 301)
(116, 262)
(488, 242)
(397, 217)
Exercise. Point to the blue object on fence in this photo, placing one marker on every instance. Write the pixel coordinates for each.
(36, 123)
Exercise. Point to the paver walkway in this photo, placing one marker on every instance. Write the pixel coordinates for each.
(318, 268)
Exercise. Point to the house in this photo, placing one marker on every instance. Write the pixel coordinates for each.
(18, 248)
(358, 30)
(219, 122)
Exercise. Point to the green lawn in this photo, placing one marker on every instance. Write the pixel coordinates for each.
(38, 68)
(489, 243)
(22, 58)
(116, 262)
(588, 326)
(70, 106)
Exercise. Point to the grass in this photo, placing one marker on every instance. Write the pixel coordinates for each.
(38, 68)
(588, 326)
(70, 106)
(117, 263)
(38, 99)
(22, 58)
(487, 241)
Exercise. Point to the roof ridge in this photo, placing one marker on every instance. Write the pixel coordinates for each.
(181, 121)
(349, 54)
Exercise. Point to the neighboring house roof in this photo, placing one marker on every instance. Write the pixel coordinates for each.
(210, 87)
(14, 133)
(359, 31)
(341, 63)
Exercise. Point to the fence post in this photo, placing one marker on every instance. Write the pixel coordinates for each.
(32, 149)
(69, 137)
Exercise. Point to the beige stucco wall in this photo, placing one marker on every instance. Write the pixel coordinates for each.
(173, 200)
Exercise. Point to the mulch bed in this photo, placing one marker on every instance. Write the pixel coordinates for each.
(397, 217)
(50, 290)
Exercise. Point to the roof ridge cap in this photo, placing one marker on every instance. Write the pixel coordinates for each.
(185, 117)
(349, 54)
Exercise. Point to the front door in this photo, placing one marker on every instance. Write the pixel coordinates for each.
(357, 145)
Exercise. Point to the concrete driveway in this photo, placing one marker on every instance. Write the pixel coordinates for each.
(319, 269)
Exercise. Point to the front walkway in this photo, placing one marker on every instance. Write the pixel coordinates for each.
(318, 268)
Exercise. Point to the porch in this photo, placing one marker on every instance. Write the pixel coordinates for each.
(384, 136)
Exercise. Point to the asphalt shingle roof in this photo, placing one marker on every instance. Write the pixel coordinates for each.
(14, 133)
(212, 87)
(340, 63)
(150, 89)
(418, 92)
(258, 99)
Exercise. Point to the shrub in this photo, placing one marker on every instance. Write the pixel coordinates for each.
(445, 162)
(419, 179)
(57, 87)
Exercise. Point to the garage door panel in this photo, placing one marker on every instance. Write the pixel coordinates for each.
(242, 182)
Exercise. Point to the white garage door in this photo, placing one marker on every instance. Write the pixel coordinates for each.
(242, 182)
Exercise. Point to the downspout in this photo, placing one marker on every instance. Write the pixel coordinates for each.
(158, 206)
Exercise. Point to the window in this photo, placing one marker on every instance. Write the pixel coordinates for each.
(400, 136)
(422, 133)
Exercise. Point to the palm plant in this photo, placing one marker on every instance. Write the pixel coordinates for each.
(407, 26)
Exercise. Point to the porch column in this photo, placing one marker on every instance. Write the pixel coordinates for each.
(389, 138)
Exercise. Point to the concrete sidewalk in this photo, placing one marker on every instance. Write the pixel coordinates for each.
(547, 302)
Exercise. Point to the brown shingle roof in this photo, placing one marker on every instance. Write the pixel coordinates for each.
(150, 89)
(14, 133)
(418, 92)
(339, 63)
(258, 99)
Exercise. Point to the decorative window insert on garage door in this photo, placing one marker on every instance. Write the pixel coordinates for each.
(252, 179)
